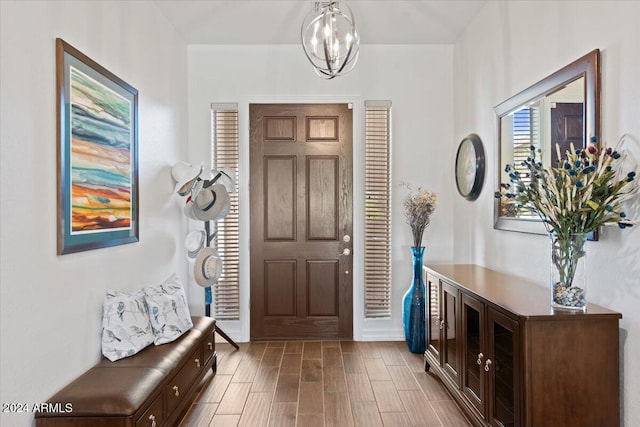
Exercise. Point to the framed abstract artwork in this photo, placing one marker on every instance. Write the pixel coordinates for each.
(97, 138)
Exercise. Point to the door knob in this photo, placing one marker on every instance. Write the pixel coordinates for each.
(345, 252)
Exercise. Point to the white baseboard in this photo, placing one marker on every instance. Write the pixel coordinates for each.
(383, 334)
(233, 328)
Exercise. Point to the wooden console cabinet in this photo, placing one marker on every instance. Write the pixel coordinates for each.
(509, 359)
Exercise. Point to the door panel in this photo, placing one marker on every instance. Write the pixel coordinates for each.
(280, 128)
(323, 287)
(322, 128)
(301, 210)
(322, 198)
(280, 287)
(280, 197)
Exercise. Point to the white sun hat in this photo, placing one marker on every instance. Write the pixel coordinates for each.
(207, 268)
(194, 242)
(185, 175)
(210, 204)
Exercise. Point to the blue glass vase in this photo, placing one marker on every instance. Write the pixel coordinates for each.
(413, 306)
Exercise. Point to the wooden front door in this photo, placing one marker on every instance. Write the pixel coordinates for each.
(301, 221)
(567, 127)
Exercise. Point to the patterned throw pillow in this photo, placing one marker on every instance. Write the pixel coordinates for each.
(125, 325)
(168, 310)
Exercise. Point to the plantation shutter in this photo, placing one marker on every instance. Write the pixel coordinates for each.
(377, 246)
(224, 155)
(526, 126)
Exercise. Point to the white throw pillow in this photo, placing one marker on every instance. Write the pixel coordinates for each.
(168, 310)
(125, 325)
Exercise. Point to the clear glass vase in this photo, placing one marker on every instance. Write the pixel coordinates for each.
(568, 276)
(413, 306)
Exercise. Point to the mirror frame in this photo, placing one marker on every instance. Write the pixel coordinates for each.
(588, 66)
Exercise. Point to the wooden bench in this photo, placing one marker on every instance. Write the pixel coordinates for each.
(153, 388)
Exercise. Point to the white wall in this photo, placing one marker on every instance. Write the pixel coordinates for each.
(51, 305)
(417, 79)
(508, 47)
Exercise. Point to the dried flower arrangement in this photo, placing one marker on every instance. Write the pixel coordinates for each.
(418, 208)
(584, 191)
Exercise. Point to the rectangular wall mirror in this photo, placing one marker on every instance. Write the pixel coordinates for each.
(563, 108)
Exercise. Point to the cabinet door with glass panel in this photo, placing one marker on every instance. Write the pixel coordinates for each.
(474, 352)
(490, 350)
(450, 332)
(443, 330)
(434, 316)
(502, 368)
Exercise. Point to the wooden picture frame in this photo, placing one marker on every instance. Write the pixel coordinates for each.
(97, 154)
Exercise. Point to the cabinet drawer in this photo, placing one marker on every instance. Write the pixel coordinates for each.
(154, 416)
(182, 381)
(208, 347)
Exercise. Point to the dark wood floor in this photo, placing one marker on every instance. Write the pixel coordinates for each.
(328, 383)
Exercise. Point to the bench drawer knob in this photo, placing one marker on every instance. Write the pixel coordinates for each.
(197, 362)
(210, 346)
(176, 391)
(152, 418)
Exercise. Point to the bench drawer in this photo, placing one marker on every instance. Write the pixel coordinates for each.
(154, 416)
(208, 347)
(183, 380)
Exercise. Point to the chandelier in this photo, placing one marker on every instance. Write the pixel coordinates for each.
(330, 39)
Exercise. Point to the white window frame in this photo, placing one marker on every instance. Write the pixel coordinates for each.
(377, 211)
(225, 155)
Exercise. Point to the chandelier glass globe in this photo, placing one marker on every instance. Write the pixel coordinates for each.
(330, 39)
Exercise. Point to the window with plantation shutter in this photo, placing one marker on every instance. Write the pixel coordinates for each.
(377, 245)
(526, 126)
(224, 155)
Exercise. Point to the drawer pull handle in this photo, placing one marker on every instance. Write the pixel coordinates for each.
(480, 356)
(176, 391)
(486, 365)
(441, 324)
(152, 418)
(197, 362)
(210, 344)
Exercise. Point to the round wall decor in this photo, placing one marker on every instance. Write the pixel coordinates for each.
(470, 167)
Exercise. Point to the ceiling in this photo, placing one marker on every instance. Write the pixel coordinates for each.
(279, 21)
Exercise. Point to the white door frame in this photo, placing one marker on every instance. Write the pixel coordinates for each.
(240, 330)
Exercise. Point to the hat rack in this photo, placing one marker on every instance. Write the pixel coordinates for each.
(207, 307)
(186, 176)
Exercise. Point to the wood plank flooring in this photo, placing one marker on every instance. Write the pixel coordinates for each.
(324, 384)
